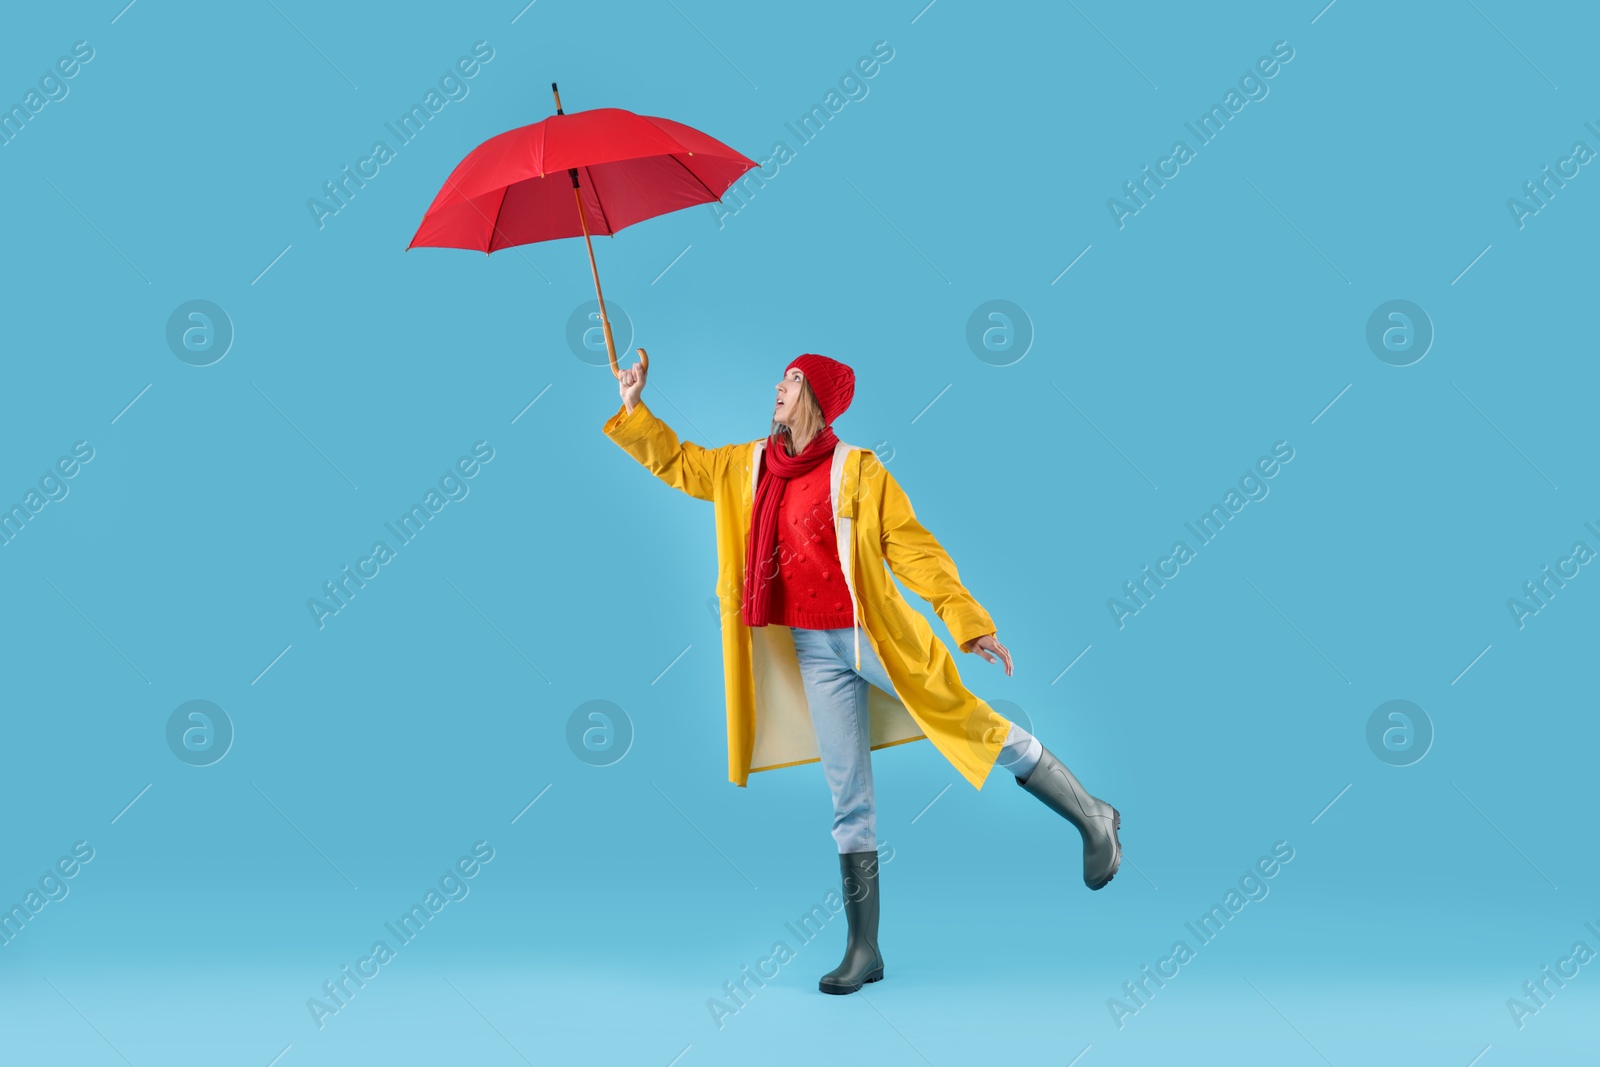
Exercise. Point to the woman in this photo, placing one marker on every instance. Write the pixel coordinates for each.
(806, 525)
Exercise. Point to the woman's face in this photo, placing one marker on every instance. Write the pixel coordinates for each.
(788, 400)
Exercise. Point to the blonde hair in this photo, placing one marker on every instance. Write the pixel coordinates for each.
(807, 422)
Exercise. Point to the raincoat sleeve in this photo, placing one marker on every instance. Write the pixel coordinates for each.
(682, 465)
(921, 563)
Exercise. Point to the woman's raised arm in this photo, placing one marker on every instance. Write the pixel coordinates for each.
(681, 464)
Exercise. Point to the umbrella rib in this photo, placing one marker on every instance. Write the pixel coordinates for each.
(597, 201)
(494, 227)
(714, 195)
(494, 223)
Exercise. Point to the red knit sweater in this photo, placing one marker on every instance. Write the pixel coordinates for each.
(809, 591)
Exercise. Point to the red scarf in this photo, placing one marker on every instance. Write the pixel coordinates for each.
(760, 561)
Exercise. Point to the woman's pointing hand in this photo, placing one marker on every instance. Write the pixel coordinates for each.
(986, 646)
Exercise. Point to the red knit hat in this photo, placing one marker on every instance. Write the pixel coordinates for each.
(833, 382)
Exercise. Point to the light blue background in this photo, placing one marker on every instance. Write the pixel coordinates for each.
(1225, 316)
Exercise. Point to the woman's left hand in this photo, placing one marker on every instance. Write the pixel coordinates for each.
(986, 646)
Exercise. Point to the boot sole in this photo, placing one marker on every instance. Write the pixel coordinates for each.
(875, 976)
(1116, 863)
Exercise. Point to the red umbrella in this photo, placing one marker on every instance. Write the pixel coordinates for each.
(623, 167)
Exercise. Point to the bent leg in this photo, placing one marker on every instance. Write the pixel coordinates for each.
(1021, 752)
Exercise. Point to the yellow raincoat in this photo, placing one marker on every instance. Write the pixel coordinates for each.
(769, 721)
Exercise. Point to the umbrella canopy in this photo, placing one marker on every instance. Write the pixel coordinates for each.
(516, 188)
(621, 168)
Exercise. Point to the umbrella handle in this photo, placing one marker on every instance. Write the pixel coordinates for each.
(644, 364)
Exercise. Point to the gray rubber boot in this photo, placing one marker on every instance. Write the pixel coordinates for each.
(862, 962)
(1096, 820)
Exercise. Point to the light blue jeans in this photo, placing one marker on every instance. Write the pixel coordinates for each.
(837, 696)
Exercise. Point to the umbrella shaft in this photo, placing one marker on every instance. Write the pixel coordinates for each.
(605, 321)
